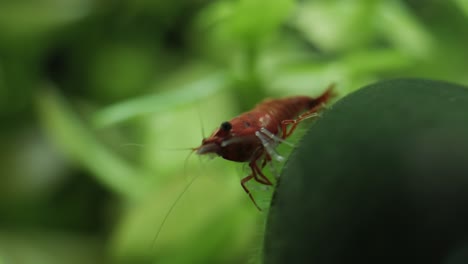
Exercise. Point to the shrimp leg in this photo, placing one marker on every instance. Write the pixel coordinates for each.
(309, 114)
(243, 182)
(257, 175)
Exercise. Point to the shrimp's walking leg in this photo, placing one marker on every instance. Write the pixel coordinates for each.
(243, 182)
(266, 160)
(309, 114)
(257, 175)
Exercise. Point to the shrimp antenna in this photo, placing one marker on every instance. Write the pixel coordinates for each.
(143, 146)
(166, 217)
(132, 145)
(200, 119)
(178, 149)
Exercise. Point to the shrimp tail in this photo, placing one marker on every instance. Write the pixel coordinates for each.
(322, 99)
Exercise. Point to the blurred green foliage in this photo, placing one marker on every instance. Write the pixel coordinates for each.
(81, 81)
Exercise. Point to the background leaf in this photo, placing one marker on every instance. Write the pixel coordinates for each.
(95, 96)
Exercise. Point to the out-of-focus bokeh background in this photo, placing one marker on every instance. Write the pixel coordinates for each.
(97, 96)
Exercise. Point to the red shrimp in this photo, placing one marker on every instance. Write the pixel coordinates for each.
(252, 136)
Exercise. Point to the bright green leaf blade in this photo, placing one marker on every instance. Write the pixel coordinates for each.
(463, 4)
(189, 92)
(68, 131)
(336, 25)
(19, 18)
(404, 30)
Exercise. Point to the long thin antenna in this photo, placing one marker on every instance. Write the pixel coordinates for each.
(166, 217)
(178, 149)
(143, 146)
(190, 183)
(201, 122)
(132, 145)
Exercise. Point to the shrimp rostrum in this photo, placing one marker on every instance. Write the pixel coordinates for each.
(253, 136)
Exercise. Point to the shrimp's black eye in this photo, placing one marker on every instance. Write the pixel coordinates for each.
(226, 126)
